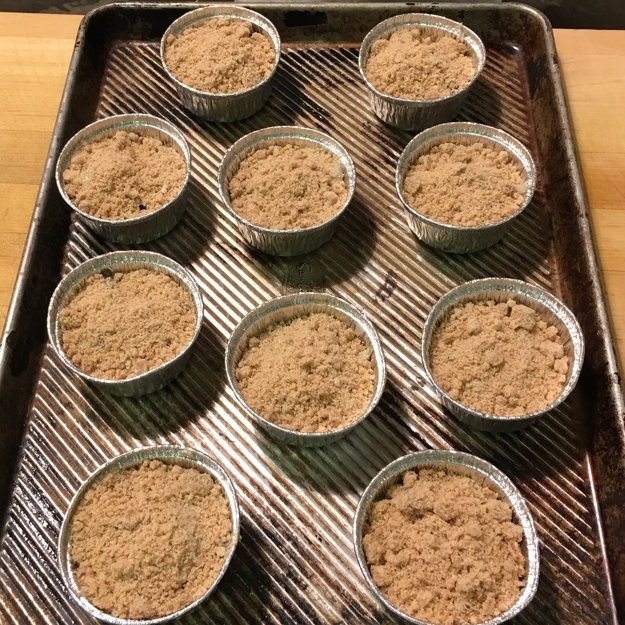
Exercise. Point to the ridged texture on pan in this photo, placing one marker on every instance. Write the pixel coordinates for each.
(295, 561)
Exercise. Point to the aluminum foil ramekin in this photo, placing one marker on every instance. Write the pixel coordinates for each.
(549, 307)
(126, 261)
(285, 242)
(418, 114)
(462, 464)
(463, 239)
(285, 308)
(169, 454)
(224, 107)
(153, 224)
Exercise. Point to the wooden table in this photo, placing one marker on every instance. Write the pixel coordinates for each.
(35, 51)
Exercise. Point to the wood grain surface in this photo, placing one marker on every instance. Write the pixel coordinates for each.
(35, 52)
(593, 65)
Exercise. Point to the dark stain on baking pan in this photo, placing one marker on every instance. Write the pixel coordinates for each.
(247, 579)
(536, 71)
(271, 555)
(390, 141)
(294, 19)
(387, 289)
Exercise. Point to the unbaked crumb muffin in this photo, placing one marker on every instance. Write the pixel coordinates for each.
(464, 184)
(147, 541)
(499, 358)
(445, 548)
(120, 325)
(124, 176)
(288, 187)
(412, 65)
(220, 55)
(309, 374)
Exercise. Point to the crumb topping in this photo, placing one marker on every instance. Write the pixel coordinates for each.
(310, 374)
(147, 541)
(220, 55)
(287, 187)
(124, 176)
(499, 358)
(411, 65)
(445, 549)
(124, 325)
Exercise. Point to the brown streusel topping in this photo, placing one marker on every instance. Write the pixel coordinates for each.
(286, 187)
(445, 549)
(148, 541)
(220, 55)
(310, 374)
(464, 185)
(118, 327)
(416, 67)
(499, 358)
(124, 176)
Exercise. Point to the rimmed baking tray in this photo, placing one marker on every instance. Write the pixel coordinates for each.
(295, 562)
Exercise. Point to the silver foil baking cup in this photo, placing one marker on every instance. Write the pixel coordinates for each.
(418, 114)
(462, 464)
(125, 261)
(184, 457)
(463, 239)
(283, 309)
(550, 308)
(285, 242)
(224, 107)
(146, 227)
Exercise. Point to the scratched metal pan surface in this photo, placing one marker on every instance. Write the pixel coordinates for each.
(295, 562)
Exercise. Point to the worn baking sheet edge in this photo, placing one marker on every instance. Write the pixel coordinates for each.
(10, 347)
(17, 350)
(602, 501)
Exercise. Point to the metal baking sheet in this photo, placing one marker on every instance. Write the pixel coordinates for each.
(295, 563)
